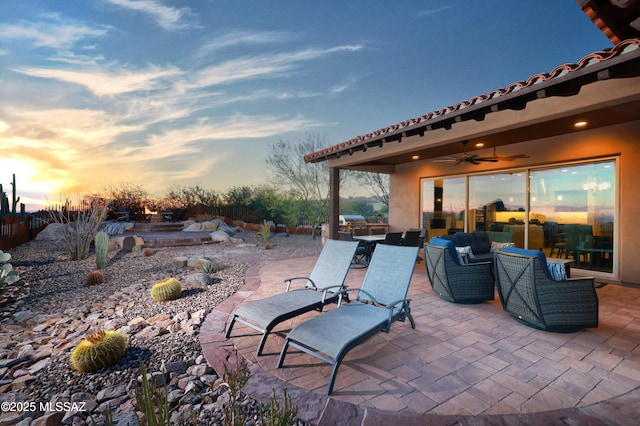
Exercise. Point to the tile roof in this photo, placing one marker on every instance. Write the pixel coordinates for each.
(497, 94)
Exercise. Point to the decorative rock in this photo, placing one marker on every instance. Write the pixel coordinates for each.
(194, 227)
(22, 316)
(9, 418)
(174, 396)
(220, 237)
(114, 324)
(197, 280)
(49, 419)
(174, 367)
(200, 370)
(137, 324)
(180, 261)
(129, 242)
(43, 363)
(111, 393)
(22, 381)
(156, 379)
(128, 418)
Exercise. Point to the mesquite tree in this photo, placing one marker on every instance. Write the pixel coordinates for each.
(308, 184)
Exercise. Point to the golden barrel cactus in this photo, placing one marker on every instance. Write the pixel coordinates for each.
(167, 289)
(98, 350)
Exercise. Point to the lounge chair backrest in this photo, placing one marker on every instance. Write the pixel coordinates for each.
(389, 274)
(333, 263)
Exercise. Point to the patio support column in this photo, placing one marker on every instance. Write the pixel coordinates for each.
(334, 202)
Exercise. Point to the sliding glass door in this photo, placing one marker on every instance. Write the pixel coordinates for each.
(567, 211)
(576, 205)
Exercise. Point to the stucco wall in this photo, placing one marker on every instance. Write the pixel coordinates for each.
(622, 141)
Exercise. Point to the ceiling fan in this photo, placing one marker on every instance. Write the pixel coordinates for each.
(475, 158)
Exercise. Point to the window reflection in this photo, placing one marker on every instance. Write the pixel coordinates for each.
(571, 211)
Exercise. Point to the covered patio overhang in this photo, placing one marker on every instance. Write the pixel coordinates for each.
(602, 89)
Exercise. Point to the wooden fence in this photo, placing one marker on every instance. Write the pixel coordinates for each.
(19, 229)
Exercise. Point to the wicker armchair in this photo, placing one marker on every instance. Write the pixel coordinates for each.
(455, 281)
(532, 297)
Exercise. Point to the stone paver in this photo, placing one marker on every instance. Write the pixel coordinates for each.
(465, 364)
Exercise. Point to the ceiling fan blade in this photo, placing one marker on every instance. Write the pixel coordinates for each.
(513, 157)
(488, 159)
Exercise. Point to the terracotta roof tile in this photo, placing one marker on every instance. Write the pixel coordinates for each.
(559, 71)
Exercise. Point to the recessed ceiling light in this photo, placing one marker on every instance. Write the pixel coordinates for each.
(479, 144)
(415, 157)
(579, 124)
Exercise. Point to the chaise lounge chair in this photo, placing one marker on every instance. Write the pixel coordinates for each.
(380, 301)
(324, 285)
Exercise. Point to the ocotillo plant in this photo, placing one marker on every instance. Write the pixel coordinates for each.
(102, 247)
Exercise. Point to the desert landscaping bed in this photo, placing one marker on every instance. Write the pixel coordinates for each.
(50, 310)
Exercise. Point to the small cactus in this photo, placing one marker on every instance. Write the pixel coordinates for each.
(102, 247)
(167, 289)
(94, 277)
(209, 267)
(98, 350)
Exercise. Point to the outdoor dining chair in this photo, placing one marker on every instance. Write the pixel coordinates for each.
(324, 285)
(363, 252)
(380, 301)
(392, 238)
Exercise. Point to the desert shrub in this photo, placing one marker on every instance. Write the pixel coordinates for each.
(80, 228)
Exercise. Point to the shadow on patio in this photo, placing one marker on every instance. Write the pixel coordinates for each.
(465, 363)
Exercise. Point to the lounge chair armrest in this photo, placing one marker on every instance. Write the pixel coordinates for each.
(404, 311)
(342, 288)
(309, 281)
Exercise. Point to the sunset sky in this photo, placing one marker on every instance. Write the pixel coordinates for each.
(160, 93)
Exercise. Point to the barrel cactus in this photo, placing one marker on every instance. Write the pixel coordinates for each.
(94, 277)
(167, 289)
(102, 247)
(98, 350)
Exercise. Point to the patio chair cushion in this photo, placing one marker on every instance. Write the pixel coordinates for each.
(469, 254)
(543, 261)
(557, 271)
(445, 242)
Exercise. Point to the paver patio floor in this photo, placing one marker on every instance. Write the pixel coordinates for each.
(462, 362)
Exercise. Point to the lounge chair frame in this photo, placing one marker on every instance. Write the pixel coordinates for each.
(324, 285)
(380, 301)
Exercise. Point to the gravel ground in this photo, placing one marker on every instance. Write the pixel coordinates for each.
(52, 291)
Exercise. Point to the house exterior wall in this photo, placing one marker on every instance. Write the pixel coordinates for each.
(621, 141)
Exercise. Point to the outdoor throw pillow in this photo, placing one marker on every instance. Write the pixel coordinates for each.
(557, 271)
(499, 246)
(462, 251)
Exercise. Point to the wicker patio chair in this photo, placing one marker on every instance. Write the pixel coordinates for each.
(380, 301)
(453, 280)
(532, 297)
(324, 285)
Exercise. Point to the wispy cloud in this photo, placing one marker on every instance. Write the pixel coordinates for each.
(339, 88)
(261, 65)
(102, 83)
(435, 10)
(52, 31)
(169, 18)
(242, 38)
